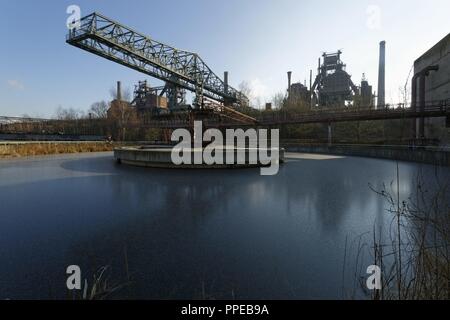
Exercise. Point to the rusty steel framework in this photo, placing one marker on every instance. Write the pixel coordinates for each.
(111, 40)
(333, 85)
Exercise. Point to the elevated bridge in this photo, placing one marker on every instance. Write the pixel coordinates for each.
(214, 115)
(432, 109)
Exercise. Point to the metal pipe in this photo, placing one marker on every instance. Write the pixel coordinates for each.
(289, 74)
(414, 102)
(381, 75)
(422, 105)
(422, 80)
(119, 91)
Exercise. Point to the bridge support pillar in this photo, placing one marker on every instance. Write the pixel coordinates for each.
(421, 78)
(330, 138)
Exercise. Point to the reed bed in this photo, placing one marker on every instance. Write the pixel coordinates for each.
(47, 148)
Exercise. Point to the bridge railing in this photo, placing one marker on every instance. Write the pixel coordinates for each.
(332, 114)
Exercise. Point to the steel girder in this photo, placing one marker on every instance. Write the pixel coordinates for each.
(111, 40)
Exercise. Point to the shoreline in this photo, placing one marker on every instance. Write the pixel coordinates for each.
(418, 154)
(23, 149)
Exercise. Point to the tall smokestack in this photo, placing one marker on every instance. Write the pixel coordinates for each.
(225, 81)
(119, 91)
(381, 75)
(289, 74)
(310, 88)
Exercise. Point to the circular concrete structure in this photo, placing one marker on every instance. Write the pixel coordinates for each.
(161, 157)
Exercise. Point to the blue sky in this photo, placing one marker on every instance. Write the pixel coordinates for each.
(255, 40)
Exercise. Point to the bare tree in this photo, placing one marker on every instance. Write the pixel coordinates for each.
(257, 102)
(113, 93)
(278, 100)
(99, 110)
(126, 94)
(245, 88)
(68, 114)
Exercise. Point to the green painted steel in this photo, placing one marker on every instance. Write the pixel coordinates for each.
(111, 40)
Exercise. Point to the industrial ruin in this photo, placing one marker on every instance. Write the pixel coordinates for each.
(332, 87)
(180, 70)
(332, 96)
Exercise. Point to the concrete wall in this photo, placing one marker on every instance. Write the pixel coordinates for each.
(438, 83)
(48, 137)
(437, 86)
(156, 156)
(434, 156)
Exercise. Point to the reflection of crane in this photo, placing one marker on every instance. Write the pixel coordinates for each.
(333, 84)
(179, 69)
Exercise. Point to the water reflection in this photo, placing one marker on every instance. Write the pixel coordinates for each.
(189, 234)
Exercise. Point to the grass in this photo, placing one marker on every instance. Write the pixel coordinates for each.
(415, 257)
(100, 288)
(44, 148)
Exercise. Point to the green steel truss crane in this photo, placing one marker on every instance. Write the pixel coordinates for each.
(116, 42)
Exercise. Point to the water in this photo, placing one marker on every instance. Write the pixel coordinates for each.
(180, 234)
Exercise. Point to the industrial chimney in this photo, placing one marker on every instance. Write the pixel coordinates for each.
(119, 91)
(289, 74)
(381, 76)
(225, 81)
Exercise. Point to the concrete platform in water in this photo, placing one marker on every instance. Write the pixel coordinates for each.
(161, 157)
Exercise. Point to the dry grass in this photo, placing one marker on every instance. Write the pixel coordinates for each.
(34, 149)
(101, 287)
(421, 268)
(415, 258)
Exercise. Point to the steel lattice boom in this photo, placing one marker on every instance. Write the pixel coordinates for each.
(116, 42)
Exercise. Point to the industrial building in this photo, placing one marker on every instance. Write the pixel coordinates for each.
(221, 105)
(333, 86)
(151, 99)
(366, 93)
(297, 92)
(431, 85)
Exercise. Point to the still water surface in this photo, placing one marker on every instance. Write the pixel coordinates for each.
(191, 234)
